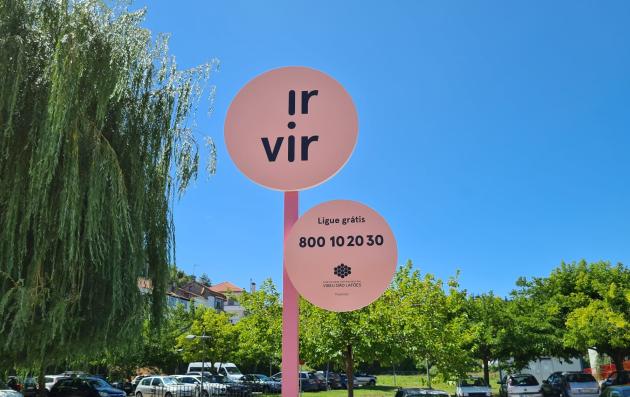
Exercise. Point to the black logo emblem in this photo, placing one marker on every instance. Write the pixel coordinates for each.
(343, 271)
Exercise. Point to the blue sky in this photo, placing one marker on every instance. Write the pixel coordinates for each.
(494, 136)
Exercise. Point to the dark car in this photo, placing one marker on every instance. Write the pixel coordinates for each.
(343, 378)
(307, 382)
(420, 392)
(565, 384)
(617, 378)
(261, 383)
(125, 386)
(616, 391)
(30, 388)
(233, 388)
(333, 379)
(85, 387)
(14, 383)
(320, 379)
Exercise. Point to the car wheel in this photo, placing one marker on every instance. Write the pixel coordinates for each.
(168, 394)
(372, 383)
(205, 393)
(138, 394)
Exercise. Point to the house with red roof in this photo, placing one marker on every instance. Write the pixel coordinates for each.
(232, 293)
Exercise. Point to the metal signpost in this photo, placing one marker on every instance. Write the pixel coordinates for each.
(291, 129)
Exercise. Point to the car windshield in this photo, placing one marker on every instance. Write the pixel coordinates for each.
(96, 382)
(264, 378)
(232, 370)
(214, 379)
(580, 378)
(523, 380)
(171, 381)
(468, 382)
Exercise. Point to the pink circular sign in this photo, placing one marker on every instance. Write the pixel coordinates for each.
(341, 255)
(291, 128)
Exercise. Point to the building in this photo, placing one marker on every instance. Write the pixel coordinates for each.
(201, 294)
(233, 293)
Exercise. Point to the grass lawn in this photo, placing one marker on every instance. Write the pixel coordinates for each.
(386, 386)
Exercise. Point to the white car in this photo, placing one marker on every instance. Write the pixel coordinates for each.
(163, 386)
(520, 385)
(6, 391)
(210, 388)
(473, 386)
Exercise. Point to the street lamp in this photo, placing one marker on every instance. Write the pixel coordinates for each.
(202, 336)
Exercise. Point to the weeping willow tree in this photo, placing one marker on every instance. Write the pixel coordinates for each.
(95, 144)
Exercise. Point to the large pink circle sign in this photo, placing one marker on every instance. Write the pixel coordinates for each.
(291, 128)
(341, 255)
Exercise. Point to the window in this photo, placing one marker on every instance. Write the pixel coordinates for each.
(146, 382)
(580, 378)
(523, 380)
(65, 383)
(156, 382)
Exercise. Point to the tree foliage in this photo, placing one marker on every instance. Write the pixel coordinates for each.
(215, 336)
(260, 331)
(489, 324)
(586, 305)
(95, 140)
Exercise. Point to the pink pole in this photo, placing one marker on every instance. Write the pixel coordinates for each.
(290, 310)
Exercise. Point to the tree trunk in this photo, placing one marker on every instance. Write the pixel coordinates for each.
(349, 370)
(618, 358)
(486, 371)
(41, 382)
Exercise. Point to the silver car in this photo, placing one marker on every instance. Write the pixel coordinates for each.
(163, 386)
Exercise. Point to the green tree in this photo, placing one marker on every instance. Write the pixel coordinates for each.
(216, 336)
(585, 306)
(178, 277)
(428, 322)
(488, 324)
(94, 141)
(260, 331)
(339, 337)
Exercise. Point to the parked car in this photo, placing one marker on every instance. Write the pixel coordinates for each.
(163, 386)
(520, 385)
(333, 379)
(198, 373)
(50, 381)
(616, 391)
(364, 379)
(344, 381)
(125, 386)
(6, 391)
(14, 383)
(570, 384)
(234, 388)
(307, 382)
(473, 386)
(616, 379)
(84, 387)
(320, 379)
(228, 370)
(421, 392)
(261, 383)
(210, 387)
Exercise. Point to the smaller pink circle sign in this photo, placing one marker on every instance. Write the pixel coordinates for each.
(291, 128)
(341, 255)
